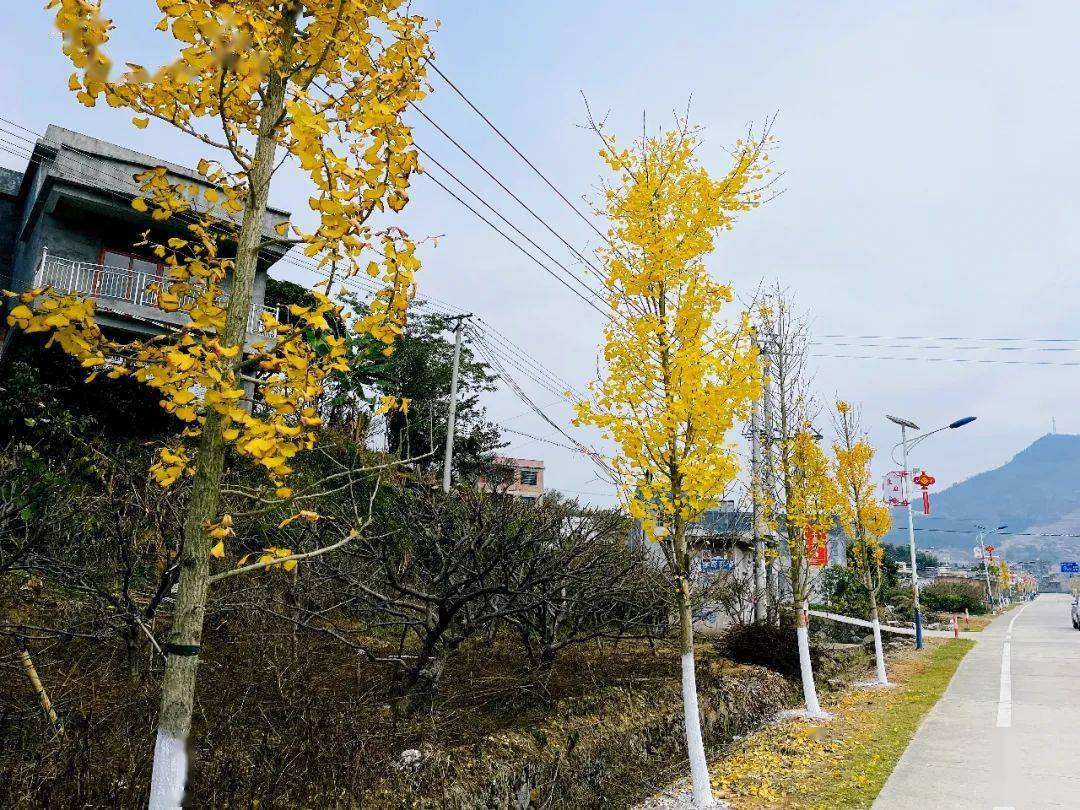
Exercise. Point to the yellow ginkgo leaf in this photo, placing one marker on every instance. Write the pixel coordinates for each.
(140, 122)
(218, 550)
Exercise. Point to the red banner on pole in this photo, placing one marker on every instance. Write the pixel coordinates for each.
(817, 547)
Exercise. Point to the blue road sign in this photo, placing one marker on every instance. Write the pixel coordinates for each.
(717, 564)
(1070, 567)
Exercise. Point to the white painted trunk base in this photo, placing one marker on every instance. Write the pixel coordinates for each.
(170, 772)
(699, 766)
(879, 655)
(813, 708)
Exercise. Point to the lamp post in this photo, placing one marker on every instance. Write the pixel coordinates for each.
(983, 533)
(907, 444)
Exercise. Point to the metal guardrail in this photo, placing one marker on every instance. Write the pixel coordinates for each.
(106, 284)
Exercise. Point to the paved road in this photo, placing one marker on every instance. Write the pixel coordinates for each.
(1006, 733)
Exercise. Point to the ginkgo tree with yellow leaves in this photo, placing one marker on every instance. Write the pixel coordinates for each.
(322, 84)
(800, 495)
(861, 513)
(810, 502)
(675, 377)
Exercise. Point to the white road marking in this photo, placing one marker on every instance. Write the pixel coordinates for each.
(1004, 715)
(1004, 719)
(1008, 633)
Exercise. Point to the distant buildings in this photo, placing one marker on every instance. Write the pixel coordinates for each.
(722, 538)
(519, 477)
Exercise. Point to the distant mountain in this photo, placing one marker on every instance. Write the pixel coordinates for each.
(1038, 491)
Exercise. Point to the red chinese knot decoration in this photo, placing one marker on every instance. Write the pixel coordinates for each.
(924, 481)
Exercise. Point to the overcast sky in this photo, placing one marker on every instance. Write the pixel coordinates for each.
(929, 190)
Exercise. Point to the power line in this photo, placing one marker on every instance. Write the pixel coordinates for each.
(595, 270)
(538, 438)
(516, 229)
(526, 413)
(1010, 534)
(510, 239)
(503, 186)
(945, 347)
(517, 151)
(491, 208)
(925, 337)
(497, 365)
(508, 347)
(510, 361)
(538, 376)
(943, 359)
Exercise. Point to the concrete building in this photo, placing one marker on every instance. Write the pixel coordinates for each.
(722, 545)
(520, 477)
(67, 222)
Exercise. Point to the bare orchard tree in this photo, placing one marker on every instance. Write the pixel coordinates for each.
(439, 576)
(733, 594)
(26, 486)
(788, 407)
(599, 588)
(92, 529)
(458, 566)
(796, 473)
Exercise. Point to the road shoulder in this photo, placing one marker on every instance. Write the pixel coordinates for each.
(846, 761)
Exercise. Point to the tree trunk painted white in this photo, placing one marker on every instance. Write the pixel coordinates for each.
(879, 653)
(699, 766)
(170, 772)
(773, 589)
(806, 670)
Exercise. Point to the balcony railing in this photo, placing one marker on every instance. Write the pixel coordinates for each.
(115, 284)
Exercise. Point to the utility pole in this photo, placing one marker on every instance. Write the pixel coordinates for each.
(986, 570)
(756, 488)
(448, 457)
(911, 540)
(772, 572)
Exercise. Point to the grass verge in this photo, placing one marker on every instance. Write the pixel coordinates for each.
(842, 763)
(976, 624)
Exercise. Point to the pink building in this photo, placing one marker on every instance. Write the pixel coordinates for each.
(521, 477)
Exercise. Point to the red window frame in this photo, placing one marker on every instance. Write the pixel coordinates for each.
(131, 257)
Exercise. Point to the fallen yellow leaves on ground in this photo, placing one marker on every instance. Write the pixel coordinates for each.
(844, 762)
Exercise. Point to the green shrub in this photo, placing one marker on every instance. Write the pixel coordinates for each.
(953, 597)
(765, 645)
(842, 591)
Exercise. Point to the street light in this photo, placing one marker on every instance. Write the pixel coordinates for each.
(983, 533)
(907, 444)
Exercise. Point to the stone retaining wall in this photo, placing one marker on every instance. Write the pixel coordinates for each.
(605, 750)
